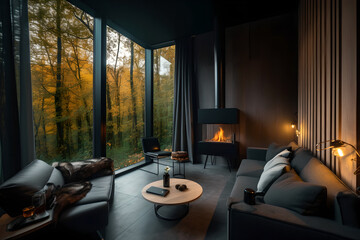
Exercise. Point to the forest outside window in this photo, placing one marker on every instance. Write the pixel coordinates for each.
(61, 50)
(61, 54)
(164, 65)
(125, 95)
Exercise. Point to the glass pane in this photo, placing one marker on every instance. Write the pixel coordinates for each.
(125, 94)
(164, 65)
(61, 51)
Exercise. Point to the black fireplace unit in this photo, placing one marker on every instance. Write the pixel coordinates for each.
(218, 116)
(218, 148)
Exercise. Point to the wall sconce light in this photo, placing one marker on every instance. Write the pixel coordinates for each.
(336, 146)
(297, 132)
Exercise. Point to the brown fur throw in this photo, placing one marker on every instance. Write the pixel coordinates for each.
(69, 194)
(85, 170)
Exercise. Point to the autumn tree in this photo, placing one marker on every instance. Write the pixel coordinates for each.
(61, 49)
(61, 53)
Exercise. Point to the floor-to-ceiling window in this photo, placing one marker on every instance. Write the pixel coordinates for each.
(125, 94)
(61, 49)
(164, 65)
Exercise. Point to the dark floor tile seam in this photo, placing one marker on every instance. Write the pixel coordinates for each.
(138, 195)
(130, 225)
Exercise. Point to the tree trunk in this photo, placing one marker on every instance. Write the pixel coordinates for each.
(44, 127)
(68, 137)
(59, 90)
(118, 104)
(80, 141)
(109, 120)
(157, 116)
(133, 98)
(116, 75)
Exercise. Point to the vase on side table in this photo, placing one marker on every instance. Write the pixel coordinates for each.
(166, 180)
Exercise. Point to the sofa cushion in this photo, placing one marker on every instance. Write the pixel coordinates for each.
(273, 150)
(256, 153)
(280, 158)
(293, 146)
(300, 159)
(316, 172)
(242, 182)
(272, 170)
(16, 192)
(251, 168)
(100, 191)
(349, 205)
(56, 178)
(85, 218)
(265, 221)
(290, 192)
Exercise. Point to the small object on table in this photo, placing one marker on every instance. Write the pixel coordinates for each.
(181, 187)
(28, 211)
(180, 157)
(157, 191)
(21, 221)
(166, 177)
(249, 196)
(39, 202)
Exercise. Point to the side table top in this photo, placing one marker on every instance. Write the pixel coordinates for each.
(174, 197)
(6, 219)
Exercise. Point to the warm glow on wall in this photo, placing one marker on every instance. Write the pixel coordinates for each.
(338, 152)
(297, 131)
(336, 146)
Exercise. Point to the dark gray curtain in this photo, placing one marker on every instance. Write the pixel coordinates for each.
(16, 119)
(183, 107)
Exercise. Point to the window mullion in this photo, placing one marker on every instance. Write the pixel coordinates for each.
(99, 110)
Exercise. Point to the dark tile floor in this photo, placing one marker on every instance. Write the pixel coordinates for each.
(132, 217)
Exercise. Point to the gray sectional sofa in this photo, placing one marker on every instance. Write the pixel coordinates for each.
(87, 215)
(339, 218)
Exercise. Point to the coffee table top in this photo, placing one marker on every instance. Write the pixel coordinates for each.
(174, 197)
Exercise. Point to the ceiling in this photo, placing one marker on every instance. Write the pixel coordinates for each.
(152, 23)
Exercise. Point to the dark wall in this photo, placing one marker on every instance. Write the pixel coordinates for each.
(260, 78)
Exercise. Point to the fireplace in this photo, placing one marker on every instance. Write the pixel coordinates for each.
(218, 134)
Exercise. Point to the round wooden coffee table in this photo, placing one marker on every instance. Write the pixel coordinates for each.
(175, 199)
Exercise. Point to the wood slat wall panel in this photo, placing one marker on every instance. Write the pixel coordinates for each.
(322, 84)
(324, 109)
(337, 82)
(318, 78)
(348, 85)
(333, 68)
(327, 126)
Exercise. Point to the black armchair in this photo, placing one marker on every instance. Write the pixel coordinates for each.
(151, 148)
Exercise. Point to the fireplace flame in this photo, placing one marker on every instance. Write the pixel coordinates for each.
(219, 136)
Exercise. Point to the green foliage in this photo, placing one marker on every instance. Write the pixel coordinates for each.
(61, 49)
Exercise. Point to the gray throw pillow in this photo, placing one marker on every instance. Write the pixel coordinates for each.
(272, 170)
(290, 192)
(274, 149)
